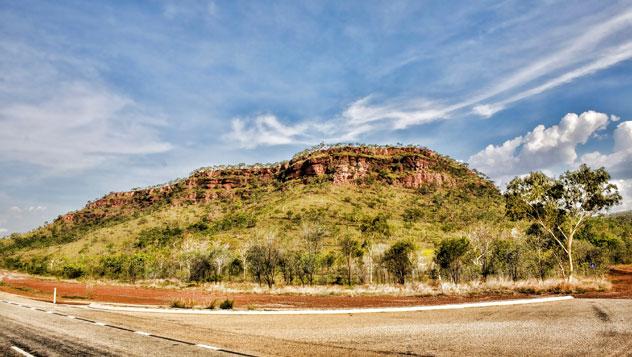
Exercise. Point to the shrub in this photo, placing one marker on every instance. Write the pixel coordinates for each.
(507, 258)
(412, 214)
(263, 261)
(157, 237)
(212, 305)
(397, 260)
(111, 266)
(202, 269)
(183, 303)
(72, 271)
(376, 225)
(227, 304)
(235, 220)
(450, 256)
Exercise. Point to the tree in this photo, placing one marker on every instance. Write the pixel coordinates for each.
(397, 260)
(507, 258)
(561, 206)
(350, 249)
(482, 239)
(313, 236)
(263, 260)
(450, 256)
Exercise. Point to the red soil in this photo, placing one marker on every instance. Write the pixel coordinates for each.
(78, 292)
(621, 278)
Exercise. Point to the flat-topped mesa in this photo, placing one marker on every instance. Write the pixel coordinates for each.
(408, 167)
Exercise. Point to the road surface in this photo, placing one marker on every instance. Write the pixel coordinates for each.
(575, 327)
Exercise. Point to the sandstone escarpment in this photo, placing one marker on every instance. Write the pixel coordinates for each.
(409, 167)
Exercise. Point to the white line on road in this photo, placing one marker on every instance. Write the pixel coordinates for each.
(208, 347)
(21, 351)
(334, 311)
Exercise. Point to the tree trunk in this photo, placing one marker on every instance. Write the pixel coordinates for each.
(570, 259)
(349, 270)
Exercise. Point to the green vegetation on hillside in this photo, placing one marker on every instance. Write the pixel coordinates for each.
(312, 231)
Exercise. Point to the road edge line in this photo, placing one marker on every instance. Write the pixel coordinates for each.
(97, 306)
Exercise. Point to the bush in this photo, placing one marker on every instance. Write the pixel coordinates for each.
(397, 260)
(72, 271)
(182, 303)
(111, 266)
(235, 220)
(450, 256)
(227, 304)
(212, 305)
(157, 237)
(507, 258)
(36, 265)
(263, 261)
(202, 269)
(376, 225)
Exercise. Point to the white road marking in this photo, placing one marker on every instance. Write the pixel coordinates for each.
(208, 347)
(334, 311)
(21, 351)
(142, 333)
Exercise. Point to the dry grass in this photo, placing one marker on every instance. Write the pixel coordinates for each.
(492, 286)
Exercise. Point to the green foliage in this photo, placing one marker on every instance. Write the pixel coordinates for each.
(561, 206)
(450, 257)
(507, 256)
(177, 233)
(377, 225)
(412, 214)
(73, 271)
(350, 249)
(397, 260)
(263, 261)
(234, 220)
(157, 237)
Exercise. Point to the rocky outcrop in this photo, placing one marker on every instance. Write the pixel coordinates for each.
(409, 167)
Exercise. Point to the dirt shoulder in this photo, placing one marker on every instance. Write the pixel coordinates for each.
(621, 278)
(80, 292)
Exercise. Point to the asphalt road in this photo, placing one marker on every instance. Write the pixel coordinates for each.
(576, 327)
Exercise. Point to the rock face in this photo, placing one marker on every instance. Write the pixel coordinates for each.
(409, 167)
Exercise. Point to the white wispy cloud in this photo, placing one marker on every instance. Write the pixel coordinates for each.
(586, 50)
(266, 129)
(56, 113)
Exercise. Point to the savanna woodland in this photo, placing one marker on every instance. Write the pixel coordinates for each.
(343, 215)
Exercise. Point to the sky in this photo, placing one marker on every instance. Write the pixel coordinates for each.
(111, 95)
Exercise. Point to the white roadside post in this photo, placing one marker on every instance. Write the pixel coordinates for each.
(54, 295)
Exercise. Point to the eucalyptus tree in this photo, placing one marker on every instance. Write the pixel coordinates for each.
(561, 206)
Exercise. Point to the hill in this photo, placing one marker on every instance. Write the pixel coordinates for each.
(371, 192)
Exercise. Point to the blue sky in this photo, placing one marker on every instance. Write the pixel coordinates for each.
(106, 96)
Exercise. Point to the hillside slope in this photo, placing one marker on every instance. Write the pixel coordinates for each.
(377, 193)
